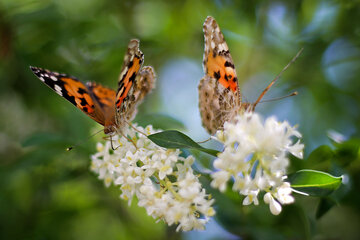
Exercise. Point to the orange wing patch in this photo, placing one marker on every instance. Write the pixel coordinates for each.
(105, 96)
(223, 71)
(218, 62)
(77, 94)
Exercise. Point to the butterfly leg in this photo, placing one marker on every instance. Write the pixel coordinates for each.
(109, 138)
(111, 142)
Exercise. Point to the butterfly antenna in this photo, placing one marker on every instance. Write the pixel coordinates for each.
(87, 139)
(276, 78)
(137, 130)
(279, 98)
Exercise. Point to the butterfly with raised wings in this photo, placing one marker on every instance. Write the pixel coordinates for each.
(219, 94)
(110, 108)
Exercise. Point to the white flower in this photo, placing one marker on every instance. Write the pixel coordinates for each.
(283, 194)
(161, 180)
(220, 180)
(252, 197)
(255, 157)
(275, 207)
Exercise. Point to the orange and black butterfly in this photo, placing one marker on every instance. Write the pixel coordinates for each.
(110, 108)
(219, 95)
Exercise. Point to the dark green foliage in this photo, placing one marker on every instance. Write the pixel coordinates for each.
(49, 193)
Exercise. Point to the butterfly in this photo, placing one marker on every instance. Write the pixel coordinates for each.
(110, 108)
(219, 95)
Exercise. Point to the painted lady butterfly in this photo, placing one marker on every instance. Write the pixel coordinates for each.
(107, 107)
(219, 95)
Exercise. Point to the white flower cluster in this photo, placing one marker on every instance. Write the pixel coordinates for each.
(255, 157)
(162, 181)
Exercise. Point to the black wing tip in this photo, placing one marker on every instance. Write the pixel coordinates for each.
(35, 70)
(43, 71)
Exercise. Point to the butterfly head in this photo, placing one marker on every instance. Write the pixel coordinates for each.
(110, 130)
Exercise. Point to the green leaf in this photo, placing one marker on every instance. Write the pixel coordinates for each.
(314, 182)
(176, 139)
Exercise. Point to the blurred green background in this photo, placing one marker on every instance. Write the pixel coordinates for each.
(48, 193)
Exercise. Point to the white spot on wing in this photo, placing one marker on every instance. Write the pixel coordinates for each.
(223, 47)
(212, 44)
(120, 91)
(53, 78)
(58, 89)
(122, 74)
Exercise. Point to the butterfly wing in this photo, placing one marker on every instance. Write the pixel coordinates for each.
(144, 83)
(219, 95)
(105, 97)
(72, 90)
(133, 84)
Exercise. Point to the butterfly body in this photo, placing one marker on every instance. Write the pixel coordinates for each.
(110, 108)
